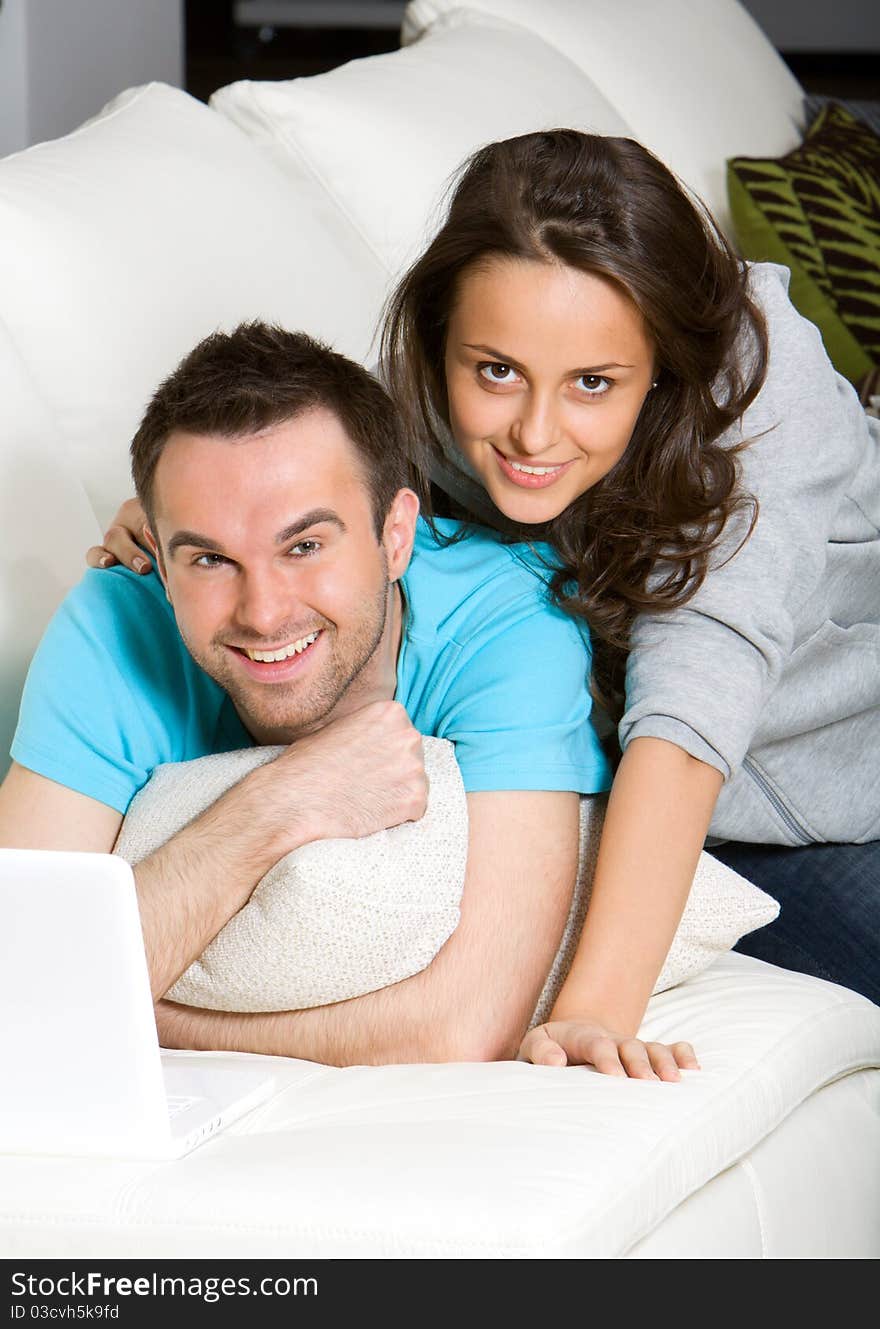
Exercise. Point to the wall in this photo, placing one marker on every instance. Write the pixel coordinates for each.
(819, 25)
(60, 61)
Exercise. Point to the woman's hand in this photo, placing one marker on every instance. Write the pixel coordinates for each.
(586, 1043)
(123, 541)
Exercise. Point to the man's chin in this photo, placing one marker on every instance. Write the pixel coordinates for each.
(278, 723)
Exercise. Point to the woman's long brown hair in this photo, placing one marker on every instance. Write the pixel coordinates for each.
(641, 539)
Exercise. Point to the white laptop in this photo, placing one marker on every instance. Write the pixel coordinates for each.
(81, 1071)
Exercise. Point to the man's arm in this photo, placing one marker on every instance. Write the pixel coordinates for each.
(473, 1002)
(37, 813)
(190, 887)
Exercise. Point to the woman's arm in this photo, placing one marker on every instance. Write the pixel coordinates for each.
(658, 815)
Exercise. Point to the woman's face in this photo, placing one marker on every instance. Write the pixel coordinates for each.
(547, 368)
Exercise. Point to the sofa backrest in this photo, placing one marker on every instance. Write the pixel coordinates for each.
(696, 80)
(385, 135)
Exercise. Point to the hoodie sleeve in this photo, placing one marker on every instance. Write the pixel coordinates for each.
(701, 675)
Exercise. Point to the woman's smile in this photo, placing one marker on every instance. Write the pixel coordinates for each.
(531, 475)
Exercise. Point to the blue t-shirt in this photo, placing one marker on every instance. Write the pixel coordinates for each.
(486, 660)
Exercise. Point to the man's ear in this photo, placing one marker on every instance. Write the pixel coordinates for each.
(153, 546)
(399, 531)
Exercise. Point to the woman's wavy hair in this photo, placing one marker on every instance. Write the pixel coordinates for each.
(641, 539)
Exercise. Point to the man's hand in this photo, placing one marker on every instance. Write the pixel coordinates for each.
(361, 773)
(586, 1043)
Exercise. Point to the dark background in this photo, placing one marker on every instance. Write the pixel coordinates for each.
(219, 52)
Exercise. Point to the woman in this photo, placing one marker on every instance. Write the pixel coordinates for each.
(581, 359)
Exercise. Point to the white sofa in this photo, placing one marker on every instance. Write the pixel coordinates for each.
(122, 245)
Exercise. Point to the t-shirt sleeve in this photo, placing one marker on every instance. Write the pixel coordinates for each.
(88, 719)
(518, 705)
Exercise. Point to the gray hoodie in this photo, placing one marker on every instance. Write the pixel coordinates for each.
(771, 673)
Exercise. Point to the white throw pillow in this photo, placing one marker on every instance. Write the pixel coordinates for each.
(384, 135)
(333, 920)
(338, 918)
(696, 82)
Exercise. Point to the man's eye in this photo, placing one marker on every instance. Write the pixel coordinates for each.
(208, 561)
(495, 372)
(305, 548)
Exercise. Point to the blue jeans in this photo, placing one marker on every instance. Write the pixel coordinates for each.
(829, 922)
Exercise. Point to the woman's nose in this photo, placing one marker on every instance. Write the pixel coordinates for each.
(535, 429)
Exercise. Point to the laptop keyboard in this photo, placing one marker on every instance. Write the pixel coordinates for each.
(178, 1103)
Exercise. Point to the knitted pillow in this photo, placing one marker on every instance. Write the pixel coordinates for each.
(817, 211)
(339, 918)
(332, 920)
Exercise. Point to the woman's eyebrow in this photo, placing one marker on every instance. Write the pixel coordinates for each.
(515, 364)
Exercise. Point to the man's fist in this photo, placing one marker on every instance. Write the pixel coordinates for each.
(361, 773)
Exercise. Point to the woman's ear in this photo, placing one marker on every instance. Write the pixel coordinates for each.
(399, 531)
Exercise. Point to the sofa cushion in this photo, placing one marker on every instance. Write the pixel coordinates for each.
(128, 241)
(511, 1161)
(817, 210)
(386, 134)
(695, 82)
(338, 918)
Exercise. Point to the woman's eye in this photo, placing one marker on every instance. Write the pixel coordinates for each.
(593, 385)
(494, 372)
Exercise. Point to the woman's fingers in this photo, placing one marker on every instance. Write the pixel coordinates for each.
(576, 1043)
(99, 557)
(120, 544)
(685, 1056)
(540, 1049)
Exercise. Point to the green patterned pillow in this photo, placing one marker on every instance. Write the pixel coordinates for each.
(817, 210)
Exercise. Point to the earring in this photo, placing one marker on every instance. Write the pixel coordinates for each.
(654, 384)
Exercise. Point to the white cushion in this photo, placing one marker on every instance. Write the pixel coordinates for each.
(152, 225)
(384, 135)
(338, 918)
(46, 524)
(697, 82)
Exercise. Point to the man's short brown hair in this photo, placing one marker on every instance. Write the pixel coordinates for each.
(235, 384)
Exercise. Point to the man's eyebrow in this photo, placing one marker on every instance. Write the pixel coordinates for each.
(317, 517)
(515, 364)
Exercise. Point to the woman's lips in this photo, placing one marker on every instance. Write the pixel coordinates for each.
(528, 479)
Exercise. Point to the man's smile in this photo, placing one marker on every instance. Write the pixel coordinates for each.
(277, 664)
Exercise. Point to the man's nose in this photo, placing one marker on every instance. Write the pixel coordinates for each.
(266, 602)
(536, 427)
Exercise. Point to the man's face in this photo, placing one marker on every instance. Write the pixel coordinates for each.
(281, 589)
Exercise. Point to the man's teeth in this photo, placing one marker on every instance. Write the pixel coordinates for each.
(532, 470)
(283, 652)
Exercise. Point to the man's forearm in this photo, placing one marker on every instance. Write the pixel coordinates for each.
(190, 887)
(394, 1025)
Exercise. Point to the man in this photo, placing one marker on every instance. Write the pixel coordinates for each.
(288, 612)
